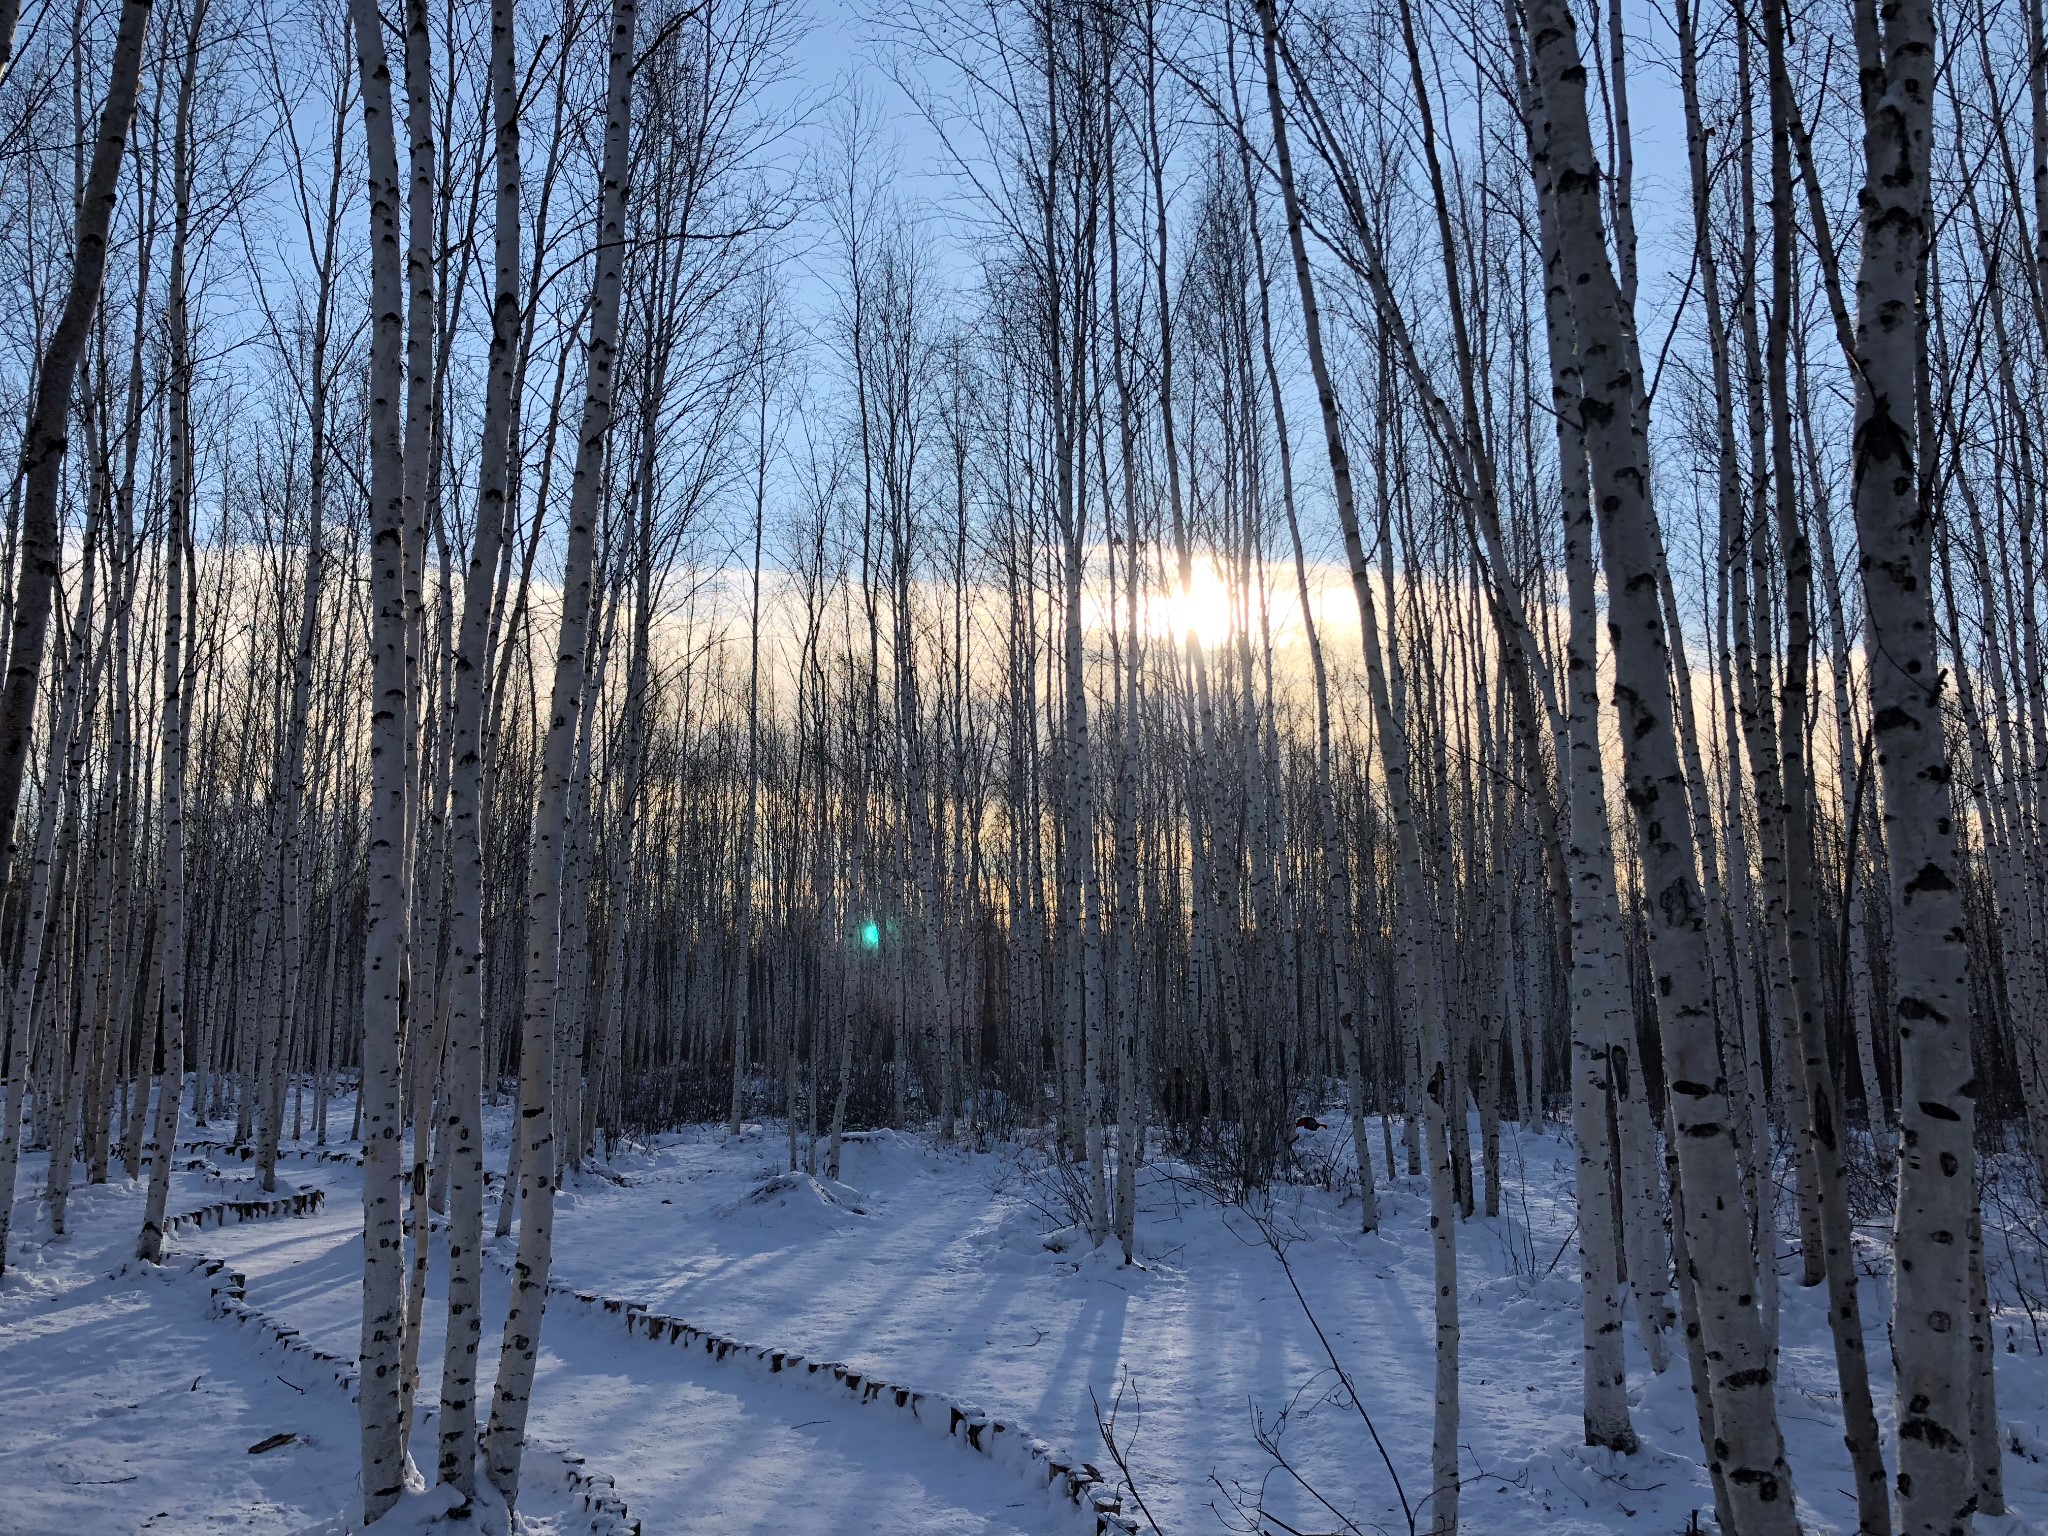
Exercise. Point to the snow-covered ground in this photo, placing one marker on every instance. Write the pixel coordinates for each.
(944, 1277)
(939, 1268)
(125, 1406)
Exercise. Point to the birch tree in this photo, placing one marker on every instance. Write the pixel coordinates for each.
(1748, 1447)
(381, 1100)
(1930, 1002)
(520, 1352)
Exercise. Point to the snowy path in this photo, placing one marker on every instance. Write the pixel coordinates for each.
(944, 1277)
(695, 1446)
(940, 1269)
(124, 1407)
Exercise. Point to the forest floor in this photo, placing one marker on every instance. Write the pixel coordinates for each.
(943, 1269)
(125, 1406)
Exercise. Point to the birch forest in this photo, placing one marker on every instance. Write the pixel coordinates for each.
(1341, 701)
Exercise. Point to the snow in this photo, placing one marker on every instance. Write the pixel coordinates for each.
(946, 1269)
(708, 1448)
(124, 1407)
(964, 1275)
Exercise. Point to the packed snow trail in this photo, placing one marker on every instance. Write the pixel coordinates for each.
(695, 1446)
(123, 1407)
(949, 1268)
(944, 1269)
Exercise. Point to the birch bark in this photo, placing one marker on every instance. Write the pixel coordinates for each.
(1819, 1122)
(176, 664)
(380, 1098)
(1931, 998)
(520, 1352)
(1748, 1445)
(462, 1132)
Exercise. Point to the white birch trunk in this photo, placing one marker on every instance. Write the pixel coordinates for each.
(1748, 1445)
(461, 1107)
(380, 1099)
(520, 1352)
(1931, 1001)
(176, 665)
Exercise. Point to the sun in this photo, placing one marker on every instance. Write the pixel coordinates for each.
(1206, 608)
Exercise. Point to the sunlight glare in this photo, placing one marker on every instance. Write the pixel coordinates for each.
(1205, 607)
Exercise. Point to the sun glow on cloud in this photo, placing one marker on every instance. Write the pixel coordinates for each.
(1216, 611)
(1207, 607)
